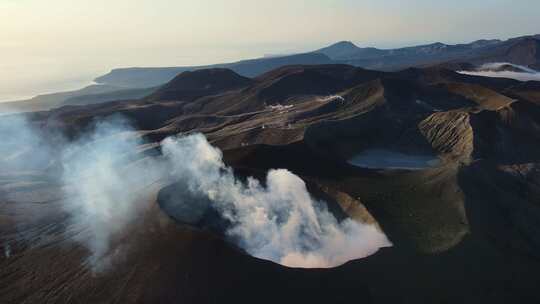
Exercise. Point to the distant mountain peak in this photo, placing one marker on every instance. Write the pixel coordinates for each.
(344, 44)
(340, 48)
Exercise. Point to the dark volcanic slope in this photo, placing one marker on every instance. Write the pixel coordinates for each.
(464, 230)
(200, 83)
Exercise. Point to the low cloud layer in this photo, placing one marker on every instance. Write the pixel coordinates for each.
(488, 70)
(107, 185)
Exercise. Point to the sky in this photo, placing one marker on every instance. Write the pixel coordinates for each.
(53, 45)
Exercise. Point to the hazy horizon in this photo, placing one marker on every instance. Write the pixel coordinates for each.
(50, 47)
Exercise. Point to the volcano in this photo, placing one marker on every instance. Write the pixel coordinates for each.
(457, 194)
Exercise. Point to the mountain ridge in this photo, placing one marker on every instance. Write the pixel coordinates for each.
(346, 52)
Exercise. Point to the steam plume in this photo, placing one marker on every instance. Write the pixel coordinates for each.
(280, 222)
(22, 146)
(107, 184)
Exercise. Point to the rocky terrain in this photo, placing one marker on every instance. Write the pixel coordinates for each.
(464, 229)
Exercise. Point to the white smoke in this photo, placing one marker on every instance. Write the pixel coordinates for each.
(279, 107)
(103, 178)
(489, 70)
(22, 146)
(108, 184)
(280, 222)
(332, 98)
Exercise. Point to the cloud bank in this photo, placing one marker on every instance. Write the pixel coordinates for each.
(488, 70)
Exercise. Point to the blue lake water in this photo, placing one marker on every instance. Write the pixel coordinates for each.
(387, 159)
